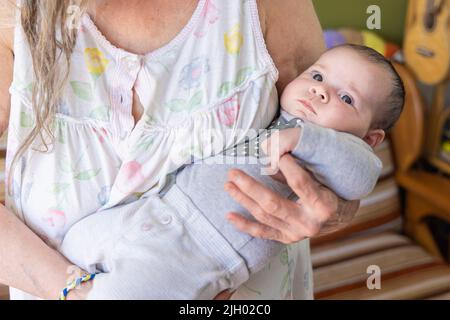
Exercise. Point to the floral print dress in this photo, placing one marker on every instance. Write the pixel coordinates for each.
(214, 81)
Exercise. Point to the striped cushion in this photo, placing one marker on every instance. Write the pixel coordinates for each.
(337, 251)
(354, 271)
(420, 282)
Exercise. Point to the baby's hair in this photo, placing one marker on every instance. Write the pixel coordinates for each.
(394, 105)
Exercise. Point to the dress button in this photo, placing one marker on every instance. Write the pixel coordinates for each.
(166, 219)
(132, 62)
(146, 226)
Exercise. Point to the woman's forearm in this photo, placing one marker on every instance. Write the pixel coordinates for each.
(26, 262)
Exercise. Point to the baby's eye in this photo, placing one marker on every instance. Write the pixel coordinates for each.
(347, 99)
(317, 76)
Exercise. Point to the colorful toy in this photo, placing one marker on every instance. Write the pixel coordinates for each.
(335, 37)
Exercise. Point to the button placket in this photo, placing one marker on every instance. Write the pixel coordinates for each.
(132, 64)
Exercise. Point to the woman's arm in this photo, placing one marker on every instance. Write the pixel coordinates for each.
(293, 36)
(6, 59)
(27, 263)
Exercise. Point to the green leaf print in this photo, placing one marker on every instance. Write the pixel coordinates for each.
(252, 290)
(148, 119)
(243, 75)
(195, 100)
(284, 257)
(60, 132)
(64, 164)
(225, 88)
(285, 282)
(82, 90)
(143, 145)
(177, 105)
(86, 175)
(59, 187)
(100, 113)
(29, 87)
(26, 120)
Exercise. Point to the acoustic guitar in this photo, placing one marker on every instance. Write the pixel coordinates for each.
(427, 44)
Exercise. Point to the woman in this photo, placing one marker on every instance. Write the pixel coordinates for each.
(122, 57)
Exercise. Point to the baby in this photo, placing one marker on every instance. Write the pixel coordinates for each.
(179, 245)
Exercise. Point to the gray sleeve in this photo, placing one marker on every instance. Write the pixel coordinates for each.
(339, 160)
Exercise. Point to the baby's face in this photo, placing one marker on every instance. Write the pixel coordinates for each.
(342, 91)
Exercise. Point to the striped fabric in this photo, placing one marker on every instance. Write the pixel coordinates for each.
(340, 260)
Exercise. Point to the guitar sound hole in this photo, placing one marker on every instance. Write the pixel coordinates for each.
(430, 21)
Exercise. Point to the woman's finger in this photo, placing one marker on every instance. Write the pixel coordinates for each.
(299, 179)
(254, 228)
(254, 208)
(267, 199)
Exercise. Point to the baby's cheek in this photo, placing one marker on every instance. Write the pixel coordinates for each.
(338, 119)
(287, 104)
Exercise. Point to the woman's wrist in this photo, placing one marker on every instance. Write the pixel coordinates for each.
(77, 288)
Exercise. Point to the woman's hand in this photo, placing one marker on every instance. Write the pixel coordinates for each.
(318, 209)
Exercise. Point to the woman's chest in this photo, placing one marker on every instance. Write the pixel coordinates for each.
(141, 26)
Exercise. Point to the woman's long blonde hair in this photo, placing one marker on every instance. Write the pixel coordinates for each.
(40, 20)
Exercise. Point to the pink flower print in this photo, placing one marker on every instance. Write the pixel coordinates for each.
(55, 218)
(209, 15)
(129, 177)
(100, 133)
(192, 73)
(229, 111)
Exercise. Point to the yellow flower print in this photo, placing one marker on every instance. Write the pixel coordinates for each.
(234, 39)
(95, 61)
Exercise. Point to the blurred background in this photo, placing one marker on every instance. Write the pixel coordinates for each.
(403, 228)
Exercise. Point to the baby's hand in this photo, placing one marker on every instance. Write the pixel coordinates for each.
(279, 143)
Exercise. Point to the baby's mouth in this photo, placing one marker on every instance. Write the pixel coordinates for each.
(307, 105)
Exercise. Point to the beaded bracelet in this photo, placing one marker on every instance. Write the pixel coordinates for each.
(72, 285)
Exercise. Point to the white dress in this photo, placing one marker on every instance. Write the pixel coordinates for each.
(214, 79)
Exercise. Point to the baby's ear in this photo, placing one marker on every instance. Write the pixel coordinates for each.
(374, 137)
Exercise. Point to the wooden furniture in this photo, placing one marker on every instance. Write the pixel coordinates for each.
(427, 194)
(438, 116)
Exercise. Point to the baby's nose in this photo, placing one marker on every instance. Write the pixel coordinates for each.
(320, 92)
